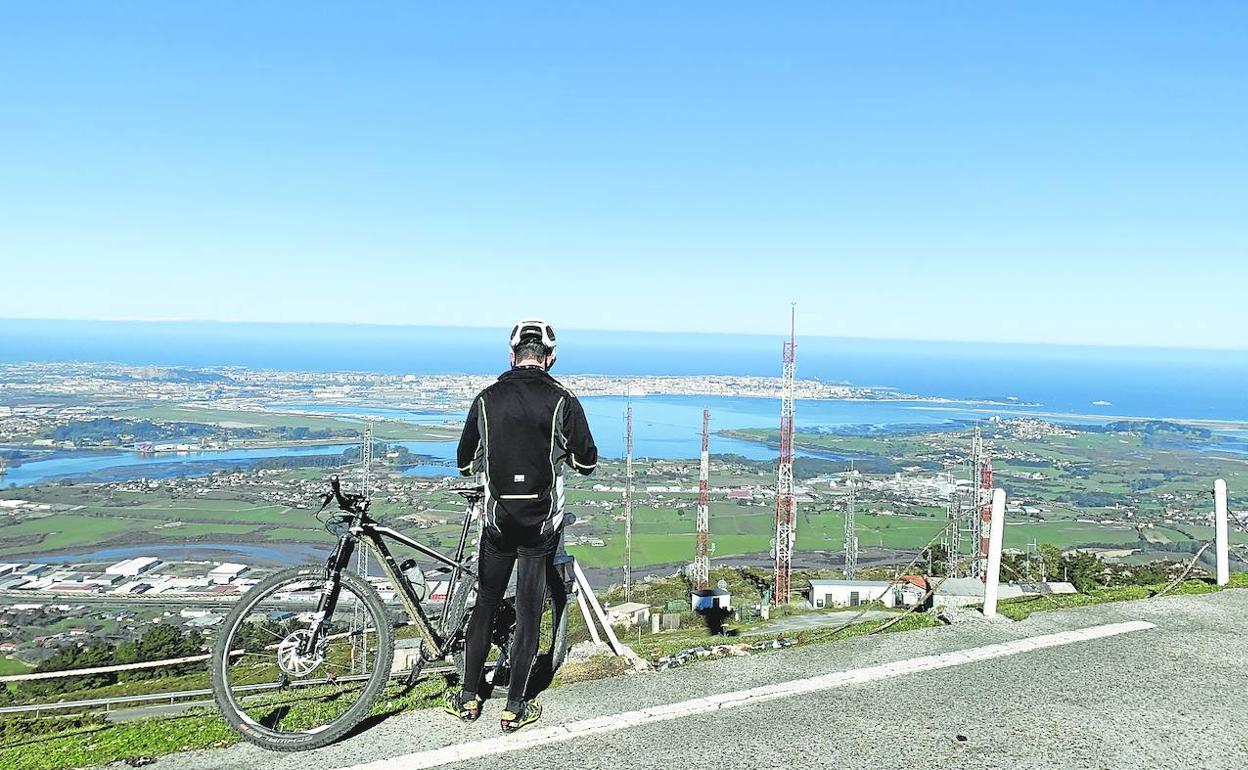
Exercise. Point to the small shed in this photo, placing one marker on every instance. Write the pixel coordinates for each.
(911, 591)
(406, 655)
(628, 614)
(704, 599)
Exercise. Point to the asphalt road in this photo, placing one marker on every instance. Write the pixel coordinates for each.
(1172, 695)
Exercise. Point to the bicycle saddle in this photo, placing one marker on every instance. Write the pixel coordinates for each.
(470, 493)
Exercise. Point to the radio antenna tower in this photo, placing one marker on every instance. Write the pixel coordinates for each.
(971, 518)
(953, 546)
(851, 530)
(701, 554)
(786, 507)
(628, 502)
(985, 513)
(359, 618)
(366, 460)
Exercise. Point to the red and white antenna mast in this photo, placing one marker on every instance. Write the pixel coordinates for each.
(786, 506)
(985, 515)
(701, 553)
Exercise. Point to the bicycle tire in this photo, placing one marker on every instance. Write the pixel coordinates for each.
(456, 613)
(458, 607)
(559, 638)
(271, 739)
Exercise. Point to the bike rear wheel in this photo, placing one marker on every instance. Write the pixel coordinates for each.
(460, 607)
(283, 696)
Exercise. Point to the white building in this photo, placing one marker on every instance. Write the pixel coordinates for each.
(205, 621)
(710, 599)
(133, 567)
(849, 593)
(226, 573)
(962, 592)
(628, 613)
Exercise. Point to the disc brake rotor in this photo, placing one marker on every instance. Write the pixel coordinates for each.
(291, 661)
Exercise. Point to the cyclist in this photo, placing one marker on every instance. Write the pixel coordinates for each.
(520, 433)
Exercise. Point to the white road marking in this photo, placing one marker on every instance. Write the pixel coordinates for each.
(527, 739)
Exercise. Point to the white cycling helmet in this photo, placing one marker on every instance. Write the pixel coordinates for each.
(533, 330)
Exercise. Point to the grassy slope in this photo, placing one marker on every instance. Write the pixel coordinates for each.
(99, 744)
(1020, 607)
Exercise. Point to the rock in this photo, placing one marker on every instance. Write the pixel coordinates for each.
(585, 651)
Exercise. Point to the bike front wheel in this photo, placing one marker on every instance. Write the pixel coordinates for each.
(284, 691)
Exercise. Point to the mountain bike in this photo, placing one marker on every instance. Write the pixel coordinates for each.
(305, 654)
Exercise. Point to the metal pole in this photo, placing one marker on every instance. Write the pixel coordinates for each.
(786, 507)
(628, 504)
(701, 555)
(851, 533)
(1222, 546)
(995, 532)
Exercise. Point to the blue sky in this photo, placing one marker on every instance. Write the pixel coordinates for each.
(1042, 172)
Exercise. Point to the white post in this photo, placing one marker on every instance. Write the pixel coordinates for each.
(1222, 546)
(993, 581)
(589, 621)
(588, 593)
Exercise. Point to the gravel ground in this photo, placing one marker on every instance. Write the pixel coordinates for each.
(1173, 696)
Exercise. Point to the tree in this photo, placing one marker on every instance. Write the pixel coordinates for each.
(65, 659)
(1085, 570)
(1050, 562)
(937, 558)
(160, 642)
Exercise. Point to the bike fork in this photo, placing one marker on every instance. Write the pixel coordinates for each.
(328, 599)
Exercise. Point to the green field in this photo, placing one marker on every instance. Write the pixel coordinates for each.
(383, 430)
(10, 666)
(192, 531)
(1089, 471)
(1120, 471)
(62, 531)
(661, 535)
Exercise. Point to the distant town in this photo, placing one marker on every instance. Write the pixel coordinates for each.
(40, 402)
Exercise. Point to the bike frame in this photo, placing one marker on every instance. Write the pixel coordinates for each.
(362, 529)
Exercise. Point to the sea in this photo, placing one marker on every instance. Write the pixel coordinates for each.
(1064, 383)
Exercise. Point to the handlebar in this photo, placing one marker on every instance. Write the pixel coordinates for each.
(348, 501)
(352, 502)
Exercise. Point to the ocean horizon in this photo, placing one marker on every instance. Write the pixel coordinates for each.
(1110, 381)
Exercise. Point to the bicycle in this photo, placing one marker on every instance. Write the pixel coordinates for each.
(288, 677)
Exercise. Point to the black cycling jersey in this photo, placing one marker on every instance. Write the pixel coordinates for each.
(520, 432)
